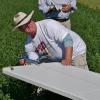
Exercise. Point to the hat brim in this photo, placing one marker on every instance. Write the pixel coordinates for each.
(26, 20)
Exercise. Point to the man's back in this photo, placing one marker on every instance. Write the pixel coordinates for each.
(51, 33)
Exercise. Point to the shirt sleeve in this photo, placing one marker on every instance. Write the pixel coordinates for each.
(29, 49)
(68, 41)
(43, 6)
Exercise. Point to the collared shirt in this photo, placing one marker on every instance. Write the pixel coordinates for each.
(45, 5)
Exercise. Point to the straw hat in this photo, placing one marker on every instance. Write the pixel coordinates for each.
(21, 18)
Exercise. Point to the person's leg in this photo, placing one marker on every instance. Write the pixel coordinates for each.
(67, 24)
(80, 61)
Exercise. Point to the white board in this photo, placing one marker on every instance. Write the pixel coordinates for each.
(68, 81)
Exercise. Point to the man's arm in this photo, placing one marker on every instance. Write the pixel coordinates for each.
(68, 56)
(30, 54)
(68, 7)
(68, 44)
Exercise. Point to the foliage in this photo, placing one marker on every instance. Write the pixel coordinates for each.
(18, 90)
(3, 84)
(4, 97)
(86, 23)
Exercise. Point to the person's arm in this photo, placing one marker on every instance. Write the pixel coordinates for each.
(58, 33)
(29, 49)
(70, 6)
(43, 6)
(68, 56)
(29, 55)
(22, 61)
(66, 8)
(68, 44)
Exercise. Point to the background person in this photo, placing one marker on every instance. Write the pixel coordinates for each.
(59, 10)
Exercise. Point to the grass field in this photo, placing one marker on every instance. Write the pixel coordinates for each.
(95, 4)
(85, 21)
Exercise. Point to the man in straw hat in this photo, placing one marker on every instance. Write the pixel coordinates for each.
(50, 40)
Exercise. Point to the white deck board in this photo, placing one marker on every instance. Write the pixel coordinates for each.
(69, 81)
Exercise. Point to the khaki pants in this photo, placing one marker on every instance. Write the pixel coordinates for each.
(80, 62)
(67, 24)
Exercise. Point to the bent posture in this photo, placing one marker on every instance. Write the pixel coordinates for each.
(51, 40)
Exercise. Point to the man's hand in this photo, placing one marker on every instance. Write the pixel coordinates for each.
(22, 62)
(66, 61)
(66, 7)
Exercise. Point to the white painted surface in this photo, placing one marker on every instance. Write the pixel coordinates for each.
(75, 83)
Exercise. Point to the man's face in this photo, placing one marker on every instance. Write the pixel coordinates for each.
(29, 27)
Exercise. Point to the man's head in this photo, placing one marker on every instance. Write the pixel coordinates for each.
(24, 23)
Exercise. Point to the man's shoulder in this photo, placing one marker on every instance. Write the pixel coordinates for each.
(48, 21)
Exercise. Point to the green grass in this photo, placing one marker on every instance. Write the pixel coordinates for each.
(11, 43)
(85, 21)
(95, 4)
